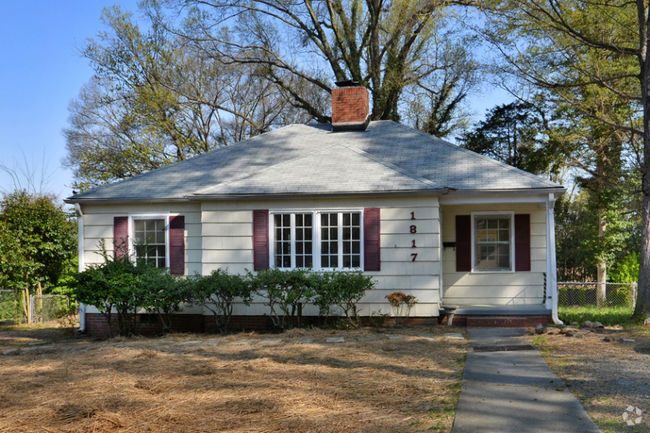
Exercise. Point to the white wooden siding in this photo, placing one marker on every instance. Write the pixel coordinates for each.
(228, 243)
(219, 235)
(98, 225)
(494, 287)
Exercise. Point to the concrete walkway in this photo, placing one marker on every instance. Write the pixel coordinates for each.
(514, 391)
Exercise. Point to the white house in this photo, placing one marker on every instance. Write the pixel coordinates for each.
(421, 215)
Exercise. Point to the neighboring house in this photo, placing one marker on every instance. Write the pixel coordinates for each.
(419, 214)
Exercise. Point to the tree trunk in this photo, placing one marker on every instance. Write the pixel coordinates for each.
(27, 307)
(643, 294)
(601, 290)
(39, 302)
(642, 309)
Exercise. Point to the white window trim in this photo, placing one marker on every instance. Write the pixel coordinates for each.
(316, 238)
(133, 217)
(483, 214)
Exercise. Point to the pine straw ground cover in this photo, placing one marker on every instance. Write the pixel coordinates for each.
(236, 384)
(606, 376)
(21, 335)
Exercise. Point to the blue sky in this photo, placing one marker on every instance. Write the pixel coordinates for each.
(42, 72)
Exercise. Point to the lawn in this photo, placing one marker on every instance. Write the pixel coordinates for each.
(236, 383)
(607, 370)
(608, 316)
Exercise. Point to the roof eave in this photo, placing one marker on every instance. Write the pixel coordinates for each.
(340, 194)
(558, 190)
(73, 200)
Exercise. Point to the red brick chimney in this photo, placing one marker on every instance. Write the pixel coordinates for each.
(350, 107)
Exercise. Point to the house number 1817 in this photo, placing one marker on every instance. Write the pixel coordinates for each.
(414, 230)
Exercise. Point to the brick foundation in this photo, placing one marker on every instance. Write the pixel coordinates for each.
(145, 324)
(498, 321)
(149, 324)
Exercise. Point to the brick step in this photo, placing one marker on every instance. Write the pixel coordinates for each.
(487, 321)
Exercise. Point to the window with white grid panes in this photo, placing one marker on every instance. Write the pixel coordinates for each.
(329, 240)
(318, 240)
(282, 250)
(493, 243)
(150, 241)
(351, 239)
(304, 242)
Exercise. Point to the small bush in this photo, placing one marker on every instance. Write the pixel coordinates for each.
(115, 284)
(342, 289)
(284, 291)
(164, 294)
(217, 292)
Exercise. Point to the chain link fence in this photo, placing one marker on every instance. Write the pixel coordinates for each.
(572, 294)
(11, 307)
(48, 308)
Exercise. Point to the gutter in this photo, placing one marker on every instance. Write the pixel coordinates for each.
(257, 196)
(139, 200)
(559, 190)
(437, 191)
(82, 265)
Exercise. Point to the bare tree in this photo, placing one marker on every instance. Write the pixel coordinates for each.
(29, 175)
(156, 100)
(305, 46)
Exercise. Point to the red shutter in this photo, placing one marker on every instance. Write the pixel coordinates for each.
(371, 239)
(260, 239)
(121, 237)
(177, 244)
(463, 243)
(522, 242)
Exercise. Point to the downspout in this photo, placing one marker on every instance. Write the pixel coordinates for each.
(442, 290)
(551, 264)
(82, 265)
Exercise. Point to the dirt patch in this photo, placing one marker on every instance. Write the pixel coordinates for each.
(605, 372)
(21, 335)
(236, 383)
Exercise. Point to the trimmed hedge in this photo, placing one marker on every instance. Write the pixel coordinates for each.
(122, 286)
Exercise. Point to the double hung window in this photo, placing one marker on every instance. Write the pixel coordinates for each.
(322, 240)
(150, 240)
(493, 242)
(293, 240)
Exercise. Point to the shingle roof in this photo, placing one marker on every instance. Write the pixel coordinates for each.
(311, 159)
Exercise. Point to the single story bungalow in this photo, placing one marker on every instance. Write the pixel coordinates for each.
(420, 215)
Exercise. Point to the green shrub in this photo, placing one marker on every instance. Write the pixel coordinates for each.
(284, 291)
(115, 284)
(217, 292)
(342, 289)
(626, 270)
(165, 294)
